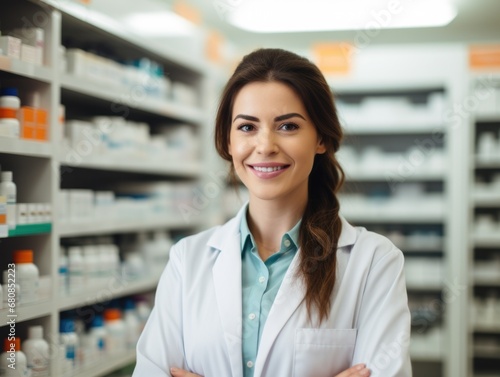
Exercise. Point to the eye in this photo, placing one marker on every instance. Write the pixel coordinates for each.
(246, 127)
(289, 127)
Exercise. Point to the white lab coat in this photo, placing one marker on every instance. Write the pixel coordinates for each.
(196, 323)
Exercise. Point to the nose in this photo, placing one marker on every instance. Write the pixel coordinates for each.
(266, 143)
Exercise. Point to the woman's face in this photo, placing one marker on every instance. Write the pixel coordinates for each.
(272, 141)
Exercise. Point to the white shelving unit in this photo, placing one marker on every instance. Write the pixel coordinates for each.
(37, 165)
(398, 136)
(484, 240)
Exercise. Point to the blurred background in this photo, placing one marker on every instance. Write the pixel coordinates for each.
(106, 126)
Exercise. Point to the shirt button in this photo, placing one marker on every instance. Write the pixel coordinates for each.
(262, 279)
(249, 364)
(251, 316)
(286, 243)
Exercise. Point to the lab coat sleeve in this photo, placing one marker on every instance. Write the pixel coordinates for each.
(384, 321)
(160, 345)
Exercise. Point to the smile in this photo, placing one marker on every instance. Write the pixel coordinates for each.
(268, 169)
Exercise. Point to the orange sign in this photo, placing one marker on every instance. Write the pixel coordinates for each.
(187, 11)
(333, 58)
(214, 47)
(484, 57)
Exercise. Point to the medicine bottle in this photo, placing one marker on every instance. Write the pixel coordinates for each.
(9, 190)
(37, 352)
(116, 331)
(27, 275)
(69, 340)
(13, 354)
(9, 107)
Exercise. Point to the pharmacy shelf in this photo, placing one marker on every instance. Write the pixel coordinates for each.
(487, 328)
(124, 96)
(424, 287)
(20, 68)
(114, 288)
(30, 148)
(488, 117)
(115, 30)
(487, 354)
(495, 283)
(491, 199)
(162, 167)
(379, 127)
(25, 312)
(30, 229)
(487, 163)
(382, 176)
(436, 247)
(124, 226)
(107, 364)
(426, 356)
(486, 240)
(380, 216)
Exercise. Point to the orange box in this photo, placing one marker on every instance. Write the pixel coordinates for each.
(41, 117)
(28, 132)
(41, 133)
(26, 116)
(41, 124)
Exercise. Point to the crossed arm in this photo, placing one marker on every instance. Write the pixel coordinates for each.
(358, 370)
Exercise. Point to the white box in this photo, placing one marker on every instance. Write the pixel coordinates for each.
(11, 46)
(22, 213)
(34, 37)
(28, 54)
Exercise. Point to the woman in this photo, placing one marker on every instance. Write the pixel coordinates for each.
(287, 287)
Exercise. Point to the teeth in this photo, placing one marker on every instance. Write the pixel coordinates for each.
(268, 170)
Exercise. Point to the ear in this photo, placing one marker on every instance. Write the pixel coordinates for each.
(320, 148)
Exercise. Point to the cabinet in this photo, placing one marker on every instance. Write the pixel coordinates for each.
(485, 226)
(402, 155)
(129, 155)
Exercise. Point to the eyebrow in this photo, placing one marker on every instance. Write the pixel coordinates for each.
(277, 119)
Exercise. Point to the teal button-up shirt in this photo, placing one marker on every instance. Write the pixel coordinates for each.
(260, 283)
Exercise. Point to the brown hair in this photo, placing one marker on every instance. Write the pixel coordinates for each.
(321, 226)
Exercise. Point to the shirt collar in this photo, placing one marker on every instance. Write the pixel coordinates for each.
(293, 233)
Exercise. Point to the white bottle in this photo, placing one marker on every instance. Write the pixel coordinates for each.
(132, 324)
(115, 260)
(9, 190)
(13, 362)
(63, 274)
(69, 340)
(75, 270)
(91, 264)
(116, 332)
(37, 352)
(27, 275)
(103, 268)
(10, 289)
(98, 334)
(9, 104)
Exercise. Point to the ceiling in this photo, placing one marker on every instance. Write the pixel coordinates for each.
(478, 21)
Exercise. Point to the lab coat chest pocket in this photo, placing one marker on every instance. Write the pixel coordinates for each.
(322, 352)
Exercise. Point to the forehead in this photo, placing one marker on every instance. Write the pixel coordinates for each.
(272, 97)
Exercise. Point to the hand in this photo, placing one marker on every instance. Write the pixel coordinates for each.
(358, 370)
(176, 372)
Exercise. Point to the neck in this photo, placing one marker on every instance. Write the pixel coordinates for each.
(268, 220)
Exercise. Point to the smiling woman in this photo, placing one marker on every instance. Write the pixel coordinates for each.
(287, 287)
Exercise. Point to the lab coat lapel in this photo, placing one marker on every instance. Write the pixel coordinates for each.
(290, 295)
(227, 281)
